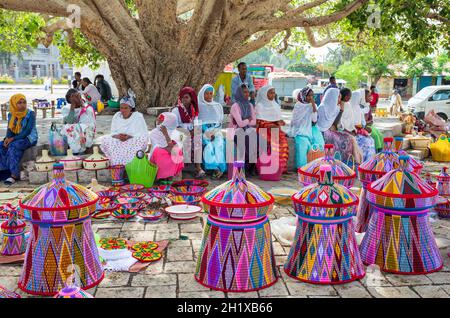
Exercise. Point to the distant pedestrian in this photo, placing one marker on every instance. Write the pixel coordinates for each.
(76, 83)
(332, 84)
(396, 103)
(375, 97)
(103, 87)
(243, 78)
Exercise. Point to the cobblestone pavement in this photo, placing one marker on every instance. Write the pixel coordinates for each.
(173, 276)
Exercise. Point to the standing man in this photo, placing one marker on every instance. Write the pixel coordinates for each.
(76, 83)
(242, 78)
(332, 84)
(396, 103)
(103, 87)
(374, 98)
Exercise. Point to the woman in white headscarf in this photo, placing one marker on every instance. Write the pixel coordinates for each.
(129, 134)
(340, 131)
(166, 153)
(303, 127)
(268, 116)
(211, 117)
(358, 108)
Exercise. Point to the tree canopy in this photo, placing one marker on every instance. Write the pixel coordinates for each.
(155, 46)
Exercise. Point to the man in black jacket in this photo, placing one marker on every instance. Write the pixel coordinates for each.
(103, 87)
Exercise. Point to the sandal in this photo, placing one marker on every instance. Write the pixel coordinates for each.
(200, 174)
(10, 181)
(217, 175)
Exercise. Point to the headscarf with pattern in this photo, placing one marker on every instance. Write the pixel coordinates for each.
(301, 97)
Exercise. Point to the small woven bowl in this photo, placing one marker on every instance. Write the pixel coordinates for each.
(191, 182)
(124, 213)
(130, 203)
(184, 200)
(131, 188)
(110, 194)
(160, 191)
(189, 190)
(133, 195)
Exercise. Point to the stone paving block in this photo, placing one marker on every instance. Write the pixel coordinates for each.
(154, 280)
(304, 289)
(38, 178)
(161, 226)
(104, 176)
(85, 176)
(193, 236)
(278, 289)
(134, 226)
(115, 279)
(139, 236)
(180, 243)
(191, 228)
(179, 254)
(202, 294)
(446, 288)
(440, 277)
(278, 249)
(315, 296)
(169, 291)
(180, 267)
(187, 283)
(392, 292)
(107, 233)
(106, 225)
(374, 277)
(243, 295)
(280, 260)
(167, 235)
(431, 291)
(9, 282)
(120, 292)
(352, 290)
(10, 270)
(156, 268)
(407, 280)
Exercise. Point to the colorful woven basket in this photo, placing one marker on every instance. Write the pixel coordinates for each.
(399, 238)
(189, 191)
(61, 238)
(14, 239)
(369, 171)
(191, 182)
(117, 175)
(238, 200)
(236, 257)
(325, 250)
(160, 191)
(4, 293)
(443, 183)
(342, 174)
(443, 207)
(72, 292)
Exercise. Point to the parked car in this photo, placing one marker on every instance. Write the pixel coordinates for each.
(431, 97)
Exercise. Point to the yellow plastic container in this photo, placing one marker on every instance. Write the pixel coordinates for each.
(100, 107)
(440, 150)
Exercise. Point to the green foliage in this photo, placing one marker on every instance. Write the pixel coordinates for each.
(37, 81)
(351, 72)
(307, 68)
(427, 65)
(6, 79)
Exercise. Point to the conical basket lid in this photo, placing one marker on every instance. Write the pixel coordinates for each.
(380, 164)
(402, 189)
(13, 221)
(416, 165)
(59, 195)
(339, 170)
(238, 192)
(326, 193)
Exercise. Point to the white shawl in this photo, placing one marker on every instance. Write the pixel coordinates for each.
(134, 126)
(328, 109)
(266, 109)
(209, 112)
(302, 119)
(348, 117)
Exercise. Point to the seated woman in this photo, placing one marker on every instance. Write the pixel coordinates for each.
(186, 113)
(356, 110)
(129, 134)
(268, 116)
(243, 116)
(20, 135)
(368, 118)
(303, 125)
(165, 152)
(79, 122)
(90, 92)
(211, 117)
(345, 144)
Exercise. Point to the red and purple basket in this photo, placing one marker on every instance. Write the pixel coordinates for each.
(342, 174)
(72, 292)
(60, 214)
(191, 182)
(443, 207)
(325, 234)
(14, 237)
(117, 175)
(370, 171)
(399, 238)
(5, 293)
(416, 165)
(161, 191)
(238, 200)
(127, 208)
(236, 257)
(443, 182)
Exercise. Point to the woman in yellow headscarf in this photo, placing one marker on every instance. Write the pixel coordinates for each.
(21, 135)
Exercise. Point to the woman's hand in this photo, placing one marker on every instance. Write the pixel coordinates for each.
(7, 142)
